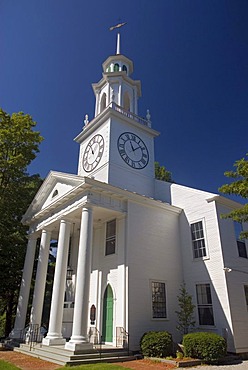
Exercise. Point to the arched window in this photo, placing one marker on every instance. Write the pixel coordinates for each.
(124, 68)
(103, 102)
(108, 69)
(116, 67)
(126, 101)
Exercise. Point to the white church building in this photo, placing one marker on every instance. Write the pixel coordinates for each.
(126, 241)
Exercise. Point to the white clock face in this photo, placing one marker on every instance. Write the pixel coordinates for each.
(133, 150)
(93, 153)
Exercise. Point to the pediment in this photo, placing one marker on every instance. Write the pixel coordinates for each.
(55, 187)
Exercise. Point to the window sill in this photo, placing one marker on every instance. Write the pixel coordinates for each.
(201, 259)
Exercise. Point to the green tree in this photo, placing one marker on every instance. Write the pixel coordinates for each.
(162, 174)
(238, 187)
(186, 313)
(19, 144)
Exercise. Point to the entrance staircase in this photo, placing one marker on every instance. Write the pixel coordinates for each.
(61, 356)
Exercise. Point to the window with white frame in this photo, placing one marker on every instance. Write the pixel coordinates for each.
(246, 295)
(158, 300)
(110, 237)
(204, 304)
(198, 241)
(240, 243)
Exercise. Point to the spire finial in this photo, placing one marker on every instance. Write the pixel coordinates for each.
(118, 44)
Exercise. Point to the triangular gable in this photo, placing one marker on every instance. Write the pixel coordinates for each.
(55, 186)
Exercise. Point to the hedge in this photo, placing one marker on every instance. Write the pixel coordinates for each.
(156, 344)
(205, 346)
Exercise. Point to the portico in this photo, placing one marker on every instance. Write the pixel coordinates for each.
(85, 208)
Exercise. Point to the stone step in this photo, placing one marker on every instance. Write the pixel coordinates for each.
(61, 356)
(102, 359)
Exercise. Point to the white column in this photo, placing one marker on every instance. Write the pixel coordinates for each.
(135, 101)
(54, 335)
(40, 279)
(121, 274)
(21, 311)
(120, 97)
(78, 339)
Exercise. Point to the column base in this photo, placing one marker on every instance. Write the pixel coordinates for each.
(53, 341)
(76, 347)
(15, 334)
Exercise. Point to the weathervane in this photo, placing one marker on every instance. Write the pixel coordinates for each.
(119, 25)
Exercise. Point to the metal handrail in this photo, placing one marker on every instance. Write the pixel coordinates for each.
(33, 335)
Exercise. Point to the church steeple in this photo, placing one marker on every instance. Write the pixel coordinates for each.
(116, 85)
(117, 146)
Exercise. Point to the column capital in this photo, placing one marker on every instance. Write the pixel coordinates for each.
(87, 207)
(66, 221)
(46, 230)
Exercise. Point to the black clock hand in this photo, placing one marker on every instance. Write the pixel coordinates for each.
(132, 146)
(92, 151)
(138, 147)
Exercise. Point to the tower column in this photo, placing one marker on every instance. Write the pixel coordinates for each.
(21, 311)
(54, 335)
(135, 102)
(40, 279)
(120, 97)
(80, 319)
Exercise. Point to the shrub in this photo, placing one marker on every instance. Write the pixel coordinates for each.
(156, 344)
(205, 346)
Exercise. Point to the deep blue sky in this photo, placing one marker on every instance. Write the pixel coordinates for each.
(190, 55)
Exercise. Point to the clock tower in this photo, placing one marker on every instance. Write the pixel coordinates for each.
(117, 146)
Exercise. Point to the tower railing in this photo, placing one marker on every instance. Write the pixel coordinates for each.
(129, 114)
(145, 122)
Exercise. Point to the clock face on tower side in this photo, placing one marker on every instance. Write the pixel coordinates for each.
(133, 150)
(93, 153)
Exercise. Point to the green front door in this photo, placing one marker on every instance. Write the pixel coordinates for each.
(107, 323)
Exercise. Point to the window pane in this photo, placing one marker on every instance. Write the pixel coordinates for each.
(199, 248)
(111, 226)
(206, 315)
(246, 295)
(110, 237)
(158, 300)
(242, 249)
(204, 302)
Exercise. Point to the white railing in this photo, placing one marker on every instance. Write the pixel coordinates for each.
(124, 112)
(128, 114)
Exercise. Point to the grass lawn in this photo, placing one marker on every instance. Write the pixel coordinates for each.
(99, 366)
(6, 366)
